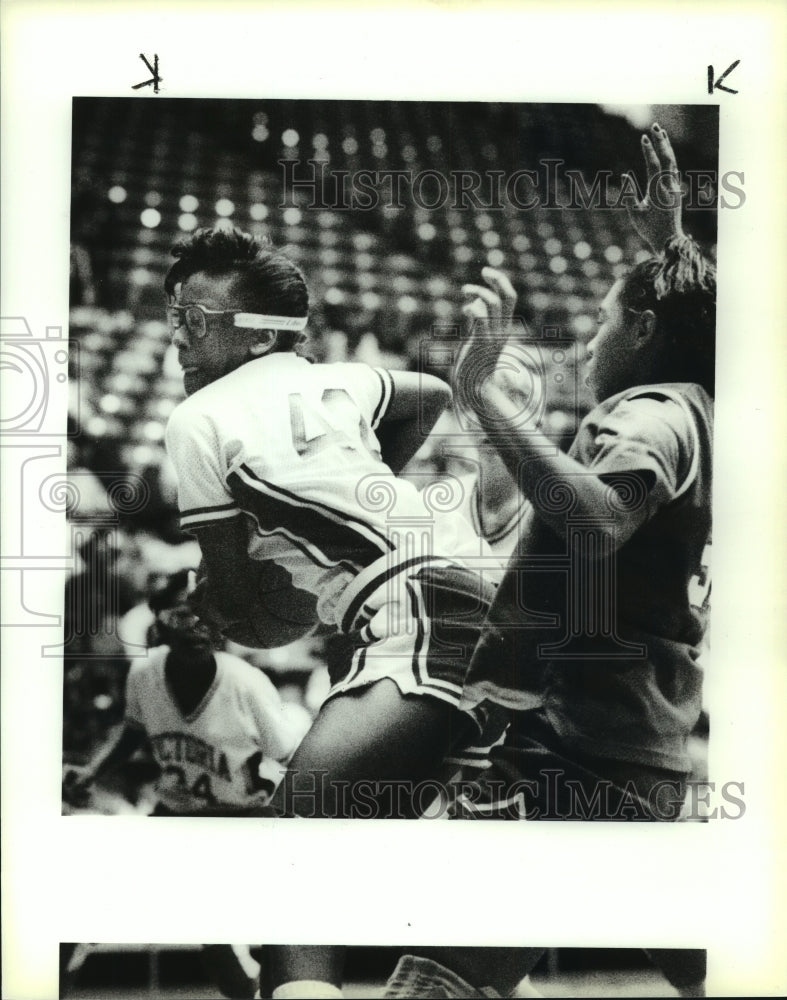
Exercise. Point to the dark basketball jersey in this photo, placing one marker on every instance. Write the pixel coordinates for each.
(615, 634)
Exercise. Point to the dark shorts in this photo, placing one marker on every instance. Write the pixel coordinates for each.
(534, 776)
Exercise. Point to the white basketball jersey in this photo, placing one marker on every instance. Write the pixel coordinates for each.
(292, 445)
(230, 750)
(503, 537)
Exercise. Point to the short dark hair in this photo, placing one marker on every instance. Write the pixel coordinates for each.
(267, 281)
(166, 595)
(679, 286)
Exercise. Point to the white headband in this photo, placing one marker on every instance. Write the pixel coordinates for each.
(258, 321)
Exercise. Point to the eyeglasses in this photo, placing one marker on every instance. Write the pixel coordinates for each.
(192, 317)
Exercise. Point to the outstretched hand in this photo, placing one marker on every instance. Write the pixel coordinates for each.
(488, 311)
(489, 308)
(657, 218)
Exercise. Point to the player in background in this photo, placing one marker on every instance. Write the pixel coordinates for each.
(610, 740)
(491, 501)
(218, 729)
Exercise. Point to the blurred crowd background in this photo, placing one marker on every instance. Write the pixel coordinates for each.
(384, 274)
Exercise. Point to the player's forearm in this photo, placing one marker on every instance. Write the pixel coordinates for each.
(540, 470)
(399, 441)
(401, 436)
(232, 595)
(458, 372)
(123, 744)
(225, 592)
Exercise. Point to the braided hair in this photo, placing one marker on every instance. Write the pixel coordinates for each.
(679, 287)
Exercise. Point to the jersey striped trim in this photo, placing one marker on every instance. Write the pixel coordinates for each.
(386, 398)
(421, 649)
(312, 553)
(364, 624)
(371, 579)
(198, 516)
(505, 803)
(328, 537)
(676, 397)
(378, 537)
(421, 643)
(500, 533)
(341, 517)
(487, 690)
(480, 762)
(357, 664)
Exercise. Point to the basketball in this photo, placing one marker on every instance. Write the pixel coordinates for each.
(277, 601)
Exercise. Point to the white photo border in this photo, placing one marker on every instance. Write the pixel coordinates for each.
(718, 885)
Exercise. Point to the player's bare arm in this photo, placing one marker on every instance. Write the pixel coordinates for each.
(120, 747)
(529, 455)
(417, 403)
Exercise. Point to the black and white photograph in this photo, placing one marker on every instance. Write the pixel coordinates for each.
(390, 431)
(137, 972)
(436, 539)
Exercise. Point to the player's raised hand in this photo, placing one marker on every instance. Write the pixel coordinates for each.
(489, 308)
(488, 311)
(657, 218)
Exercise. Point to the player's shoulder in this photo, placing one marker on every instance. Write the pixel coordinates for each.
(371, 387)
(189, 412)
(349, 371)
(242, 675)
(670, 403)
(148, 666)
(671, 419)
(234, 668)
(231, 663)
(204, 418)
(670, 392)
(678, 404)
(209, 402)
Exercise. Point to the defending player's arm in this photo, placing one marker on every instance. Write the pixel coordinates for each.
(649, 437)
(418, 400)
(532, 459)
